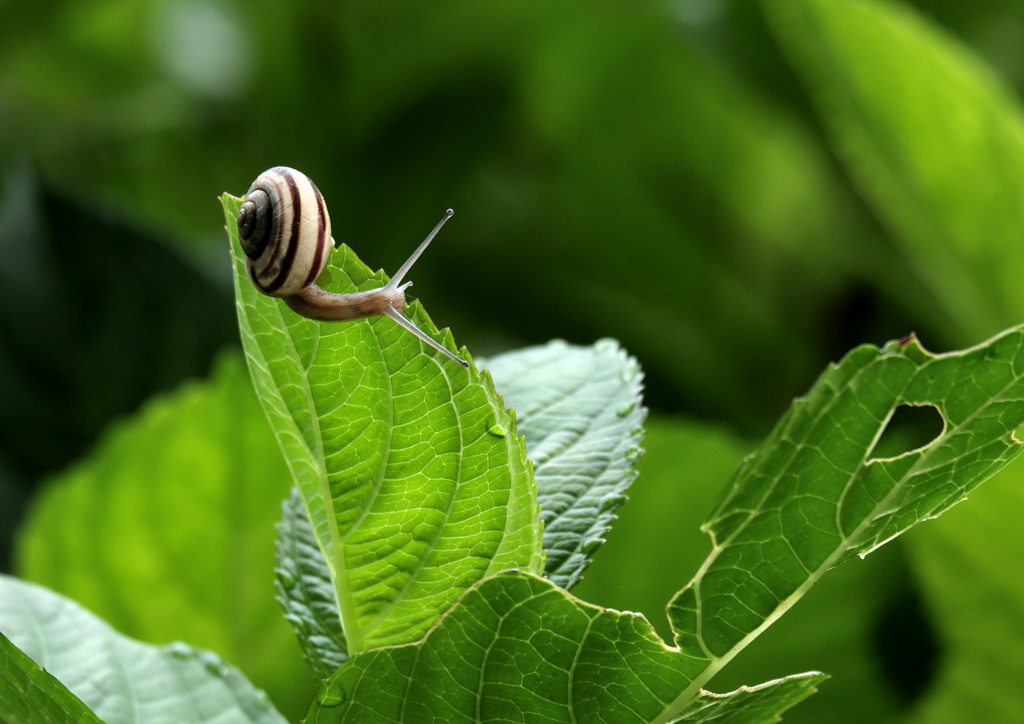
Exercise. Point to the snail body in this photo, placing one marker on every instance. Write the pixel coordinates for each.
(285, 232)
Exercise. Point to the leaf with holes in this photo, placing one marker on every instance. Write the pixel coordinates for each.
(812, 495)
(580, 410)
(809, 498)
(411, 470)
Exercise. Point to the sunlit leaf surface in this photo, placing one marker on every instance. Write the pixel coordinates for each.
(413, 473)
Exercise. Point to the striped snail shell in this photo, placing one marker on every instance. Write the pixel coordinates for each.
(285, 233)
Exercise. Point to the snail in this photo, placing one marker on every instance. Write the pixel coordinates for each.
(285, 232)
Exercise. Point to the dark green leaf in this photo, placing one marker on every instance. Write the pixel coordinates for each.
(517, 648)
(813, 495)
(657, 545)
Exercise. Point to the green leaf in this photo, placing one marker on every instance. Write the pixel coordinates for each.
(412, 472)
(166, 530)
(120, 679)
(813, 495)
(31, 695)
(518, 648)
(305, 590)
(752, 704)
(934, 138)
(580, 410)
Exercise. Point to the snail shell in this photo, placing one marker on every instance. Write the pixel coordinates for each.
(285, 233)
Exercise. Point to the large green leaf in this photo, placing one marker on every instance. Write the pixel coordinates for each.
(412, 472)
(580, 410)
(31, 695)
(517, 648)
(120, 679)
(166, 530)
(935, 140)
(813, 495)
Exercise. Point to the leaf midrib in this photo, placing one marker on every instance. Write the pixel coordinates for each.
(457, 481)
(345, 605)
(841, 550)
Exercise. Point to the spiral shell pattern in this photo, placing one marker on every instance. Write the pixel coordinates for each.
(285, 232)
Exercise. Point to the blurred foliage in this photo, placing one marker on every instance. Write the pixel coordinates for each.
(739, 192)
(177, 505)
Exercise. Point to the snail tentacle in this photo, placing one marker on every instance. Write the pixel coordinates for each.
(285, 232)
(407, 323)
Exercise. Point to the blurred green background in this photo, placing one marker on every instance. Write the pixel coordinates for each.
(739, 192)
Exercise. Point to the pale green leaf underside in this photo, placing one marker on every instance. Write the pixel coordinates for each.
(120, 679)
(519, 649)
(812, 496)
(580, 410)
(29, 695)
(165, 530)
(412, 471)
(305, 590)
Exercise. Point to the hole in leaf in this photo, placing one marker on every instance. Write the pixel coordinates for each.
(910, 427)
(906, 645)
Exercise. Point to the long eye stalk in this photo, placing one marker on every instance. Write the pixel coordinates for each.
(404, 269)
